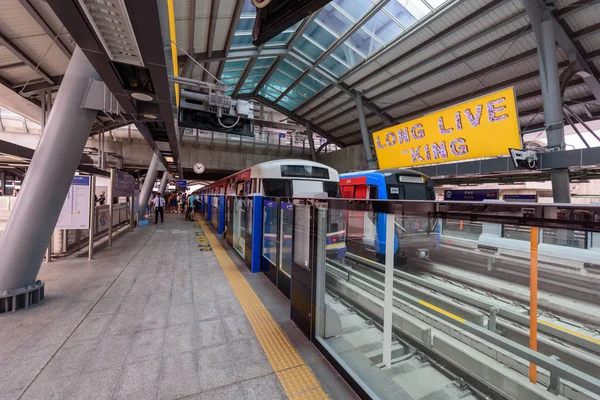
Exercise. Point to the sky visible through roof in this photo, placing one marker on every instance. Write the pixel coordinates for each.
(321, 44)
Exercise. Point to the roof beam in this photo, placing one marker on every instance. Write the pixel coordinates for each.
(45, 27)
(36, 86)
(243, 77)
(238, 54)
(17, 52)
(13, 65)
(296, 118)
(456, 61)
(297, 35)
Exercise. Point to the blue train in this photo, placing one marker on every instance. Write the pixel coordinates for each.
(414, 234)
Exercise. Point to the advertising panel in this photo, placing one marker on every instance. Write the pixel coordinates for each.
(123, 184)
(483, 127)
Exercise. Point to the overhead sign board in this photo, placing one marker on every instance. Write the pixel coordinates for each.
(521, 198)
(471, 195)
(483, 127)
(75, 213)
(181, 184)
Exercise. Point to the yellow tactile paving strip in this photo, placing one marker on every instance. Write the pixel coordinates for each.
(295, 376)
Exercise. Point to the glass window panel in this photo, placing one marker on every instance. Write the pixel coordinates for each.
(264, 62)
(258, 71)
(383, 27)
(241, 41)
(333, 19)
(232, 74)
(235, 64)
(286, 105)
(320, 35)
(296, 96)
(268, 95)
(275, 87)
(248, 8)
(407, 11)
(290, 69)
(245, 25)
(282, 78)
(302, 91)
(364, 42)
(308, 49)
(347, 55)
(334, 66)
(435, 3)
(318, 78)
(355, 8)
(280, 39)
(312, 84)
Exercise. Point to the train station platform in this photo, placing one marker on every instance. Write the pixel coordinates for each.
(160, 316)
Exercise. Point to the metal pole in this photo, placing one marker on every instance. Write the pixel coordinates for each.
(533, 292)
(148, 186)
(388, 297)
(111, 206)
(364, 132)
(131, 203)
(163, 183)
(566, 113)
(92, 216)
(542, 23)
(311, 142)
(51, 171)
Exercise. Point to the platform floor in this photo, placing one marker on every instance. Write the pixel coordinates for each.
(152, 317)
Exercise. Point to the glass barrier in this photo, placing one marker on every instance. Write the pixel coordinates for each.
(270, 224)
(432, 300)
(287, 226)
(214, 216)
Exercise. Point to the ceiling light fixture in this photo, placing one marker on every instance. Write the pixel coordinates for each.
(149, 116)
(141, 96)
(169, 159)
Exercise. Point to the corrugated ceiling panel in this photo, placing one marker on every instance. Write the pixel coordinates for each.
(226, 8)
(406, 109)
(48, 15)
(314, 107)
(504, 52)
(16, 22)
(577, 92)
(523, 67)
(181, 9)
(441, 78)
(347, 117)
(390, 85)
(54, 63)
(19, 75)
(393, 98)
(200, 34)
(409, 41)
(531, 104)
(221, 28)
(368, 84)
(348, 129)
(584, 18)
(416, 72)
(6, 57)
(331, 111)
(324, 111)
(591, 43)
(527, 86)
(448, 19)
(453, 92)
(425, 54)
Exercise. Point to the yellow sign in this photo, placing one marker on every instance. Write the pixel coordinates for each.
(484, 127)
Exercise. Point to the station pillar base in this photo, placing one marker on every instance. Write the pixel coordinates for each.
(25, 297)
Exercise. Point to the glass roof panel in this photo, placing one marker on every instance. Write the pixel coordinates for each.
(308, 49)
(407, 12)
(312, 83)
(233, 65)
(354, 8)
(333, 19)
(364, 43)
(347, 55)
(383, 27)
(334, 66)
(282, 78)
(269, 94)
(319, 35)
(290, 68)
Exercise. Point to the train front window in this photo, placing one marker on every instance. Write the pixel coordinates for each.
(304, 171)
(332, 189)
(409, 192)
(277, 187)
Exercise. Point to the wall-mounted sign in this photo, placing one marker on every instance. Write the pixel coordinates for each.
(471, 195)
(124, 184)
(520, 198)
(180, 184)
(484, 127)
(75, 213)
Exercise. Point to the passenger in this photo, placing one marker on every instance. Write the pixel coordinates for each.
(159, 205)
(150, 204)
(173, 203)
(181, 202)
(191, 200)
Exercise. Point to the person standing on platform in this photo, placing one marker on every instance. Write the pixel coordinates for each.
(191, 200)
(159, 208)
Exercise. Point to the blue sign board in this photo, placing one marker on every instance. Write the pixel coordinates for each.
(80, 181)
(181, 184)
(123, 186)
(471, 195)
(521, 198)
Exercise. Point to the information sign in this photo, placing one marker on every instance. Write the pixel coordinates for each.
(75, 213)
(483, 127)
(180, 184)
(123, 184)
(471, 195)
(520, 198)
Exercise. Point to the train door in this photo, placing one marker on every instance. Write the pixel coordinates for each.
(285, 248)
(239, 227)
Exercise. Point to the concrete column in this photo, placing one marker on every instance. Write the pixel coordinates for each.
(311, 142)
(364, 133)
(163, 183)
(51, 171)
(148, 186)
(542, 23)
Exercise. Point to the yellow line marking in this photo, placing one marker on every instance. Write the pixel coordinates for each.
(560, 328)
(173, 37)
(296, 378)
(442, 311)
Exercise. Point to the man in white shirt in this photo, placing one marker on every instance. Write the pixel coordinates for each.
(159, 204)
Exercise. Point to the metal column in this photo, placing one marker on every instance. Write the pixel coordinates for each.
(163, 183)
(542, 23)
(50, 172)
(92, 217)
(311, 142)
(111, 206)
(148, 186)
(364, 133)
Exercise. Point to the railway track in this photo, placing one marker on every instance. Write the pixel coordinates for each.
(499, 315)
